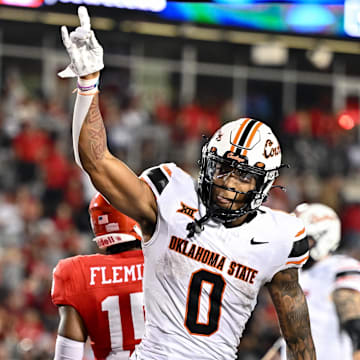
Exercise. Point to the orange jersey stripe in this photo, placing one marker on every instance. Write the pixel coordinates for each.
(298, 262)
(167, 170)
(300, 232)
(237, 136)
(248, 143)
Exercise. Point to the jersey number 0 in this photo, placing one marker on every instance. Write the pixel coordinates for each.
(217, 284)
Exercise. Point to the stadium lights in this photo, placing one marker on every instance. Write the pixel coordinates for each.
(321, 56)
(346, 121)
(269, 53)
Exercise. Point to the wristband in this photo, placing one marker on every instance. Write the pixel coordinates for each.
(88, 86)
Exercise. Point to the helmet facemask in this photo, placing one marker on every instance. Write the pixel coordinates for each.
(242, 148)
(214, 166)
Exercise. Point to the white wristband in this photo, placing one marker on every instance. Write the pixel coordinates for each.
(88, 86)
(68, 349)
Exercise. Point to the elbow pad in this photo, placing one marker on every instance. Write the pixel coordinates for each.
(68, 349)
(352, 327)
(85, 94)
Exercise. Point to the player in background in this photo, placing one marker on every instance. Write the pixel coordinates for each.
(208, 247)
(331, 284)
(100, 296)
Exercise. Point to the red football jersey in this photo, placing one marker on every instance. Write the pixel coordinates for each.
(106, 290)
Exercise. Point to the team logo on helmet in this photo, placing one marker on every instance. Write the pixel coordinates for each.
(270, 150)
(233, 156)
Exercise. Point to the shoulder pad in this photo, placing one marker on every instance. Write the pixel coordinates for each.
(64, 283)
(158, 177)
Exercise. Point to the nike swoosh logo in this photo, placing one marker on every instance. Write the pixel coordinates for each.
(253, 242)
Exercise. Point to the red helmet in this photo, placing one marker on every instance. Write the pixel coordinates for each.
(109, 225)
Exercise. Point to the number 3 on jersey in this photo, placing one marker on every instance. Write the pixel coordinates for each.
(122, 318)
(212, 284)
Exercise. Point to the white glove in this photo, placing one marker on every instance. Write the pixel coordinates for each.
(86, 54)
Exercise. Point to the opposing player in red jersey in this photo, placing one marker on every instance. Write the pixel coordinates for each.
(100, 296)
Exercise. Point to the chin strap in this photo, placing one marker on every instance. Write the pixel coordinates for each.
(197, 226)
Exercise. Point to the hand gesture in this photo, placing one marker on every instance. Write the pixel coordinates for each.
(86, 54)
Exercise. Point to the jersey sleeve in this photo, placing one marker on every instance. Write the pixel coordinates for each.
(167, 182)
(347, 274)
(170, 185)
(158, 178)
(298, 246)
(299, 251)
(62, 282)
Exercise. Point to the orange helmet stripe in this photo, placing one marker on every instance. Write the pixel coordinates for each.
(237, 136)
(248, 143)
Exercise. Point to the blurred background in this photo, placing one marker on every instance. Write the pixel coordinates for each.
(173, 72)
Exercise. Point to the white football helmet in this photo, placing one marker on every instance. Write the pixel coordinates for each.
(323, 225)
(245, 145)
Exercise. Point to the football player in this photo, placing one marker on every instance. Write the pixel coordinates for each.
(332, 286)
(100, 296)
(208, 246)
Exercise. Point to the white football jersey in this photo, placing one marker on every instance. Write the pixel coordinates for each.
(199, 292)
(318, 283)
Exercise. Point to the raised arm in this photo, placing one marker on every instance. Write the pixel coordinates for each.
(110, 176)
(347, 302)
(292, 311)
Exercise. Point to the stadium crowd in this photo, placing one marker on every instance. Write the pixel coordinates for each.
(44, 196)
